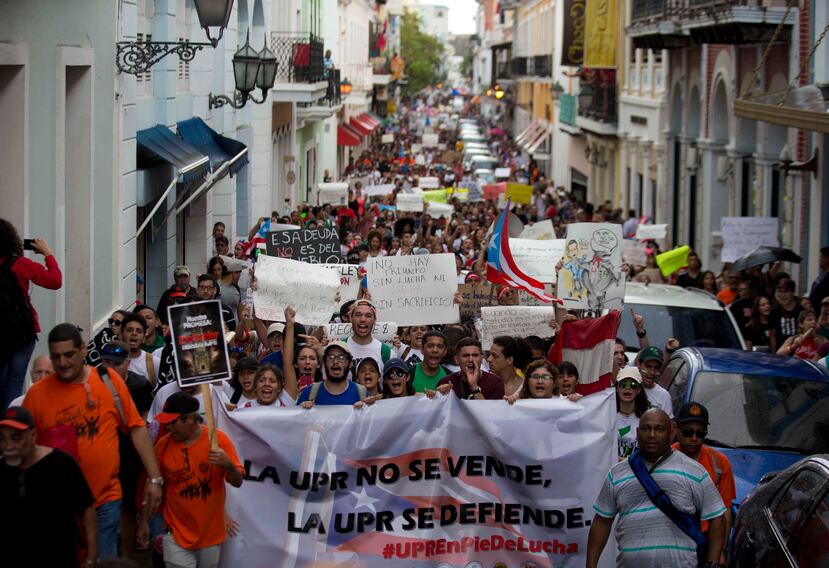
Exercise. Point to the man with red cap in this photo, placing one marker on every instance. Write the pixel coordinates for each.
(194, 484)
(34, 480)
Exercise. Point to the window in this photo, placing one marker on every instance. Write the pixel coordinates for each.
(184, 12)
(811, 548)
(793, 503)
(674, 378)
(146, 13)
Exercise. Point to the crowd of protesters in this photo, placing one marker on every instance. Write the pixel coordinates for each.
(138, 439)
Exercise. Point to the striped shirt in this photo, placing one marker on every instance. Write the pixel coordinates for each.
(645, 536)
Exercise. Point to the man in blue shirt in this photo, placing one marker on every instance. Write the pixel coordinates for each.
(336, 388)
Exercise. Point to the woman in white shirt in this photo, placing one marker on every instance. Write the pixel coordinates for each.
(271, 391)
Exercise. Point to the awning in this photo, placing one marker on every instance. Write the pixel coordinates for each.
(361, 125)
(535, 143)
(347, 136)
(370, 119)
(159, 144)
(377, 118)
(528, 133)
(218, 148)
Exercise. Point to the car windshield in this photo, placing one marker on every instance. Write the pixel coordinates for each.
(752, 411)
(688, 325)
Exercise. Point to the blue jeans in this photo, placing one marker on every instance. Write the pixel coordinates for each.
(13, 373)
(109, 522)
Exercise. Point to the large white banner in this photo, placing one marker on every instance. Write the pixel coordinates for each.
(311, 289)
(415, 482)
(414, 290)
(741, 235)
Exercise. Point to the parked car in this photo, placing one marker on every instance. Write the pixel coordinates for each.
(767, 411)
(486, 162)
(784, 522)
(690, 315)
(484, 175)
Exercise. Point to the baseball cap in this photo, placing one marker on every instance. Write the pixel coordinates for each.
(178, 292)
(363, 302)
(181, 270)
(18, 418)
(692, 412)
(824, 300)
(631, 373)
(115, 352)
(395, 363)
(246, 363)
(366, 361)
(341, 344)
(785, 283)
(650, 353)
(179, 403)
(277, 327)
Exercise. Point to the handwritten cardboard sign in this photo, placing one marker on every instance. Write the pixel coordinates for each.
(635, 252)
(651, 232)
(521, 321)
(537, 258)
(474, 297)
(316, 246)
(520, 193)
(349, 280)
(383, 330)
(414, 290)
(741, 235)
(502, 173)
(380, 190)
(428, 182)
(410, 202)
(311, 289)
(541, 230)
(493, 190)
(332, 193)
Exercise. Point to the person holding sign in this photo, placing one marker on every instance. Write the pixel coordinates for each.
(303, 358)
(195, 472)
(362, 343)
(471, 382)
(336, 389)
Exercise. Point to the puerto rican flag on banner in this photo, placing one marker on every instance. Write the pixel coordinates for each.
(500, 266)
(588, 344)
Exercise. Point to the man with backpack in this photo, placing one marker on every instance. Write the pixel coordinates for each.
(659, 495)
(80, 410)
(336, 388)
(362, 343)
(692, 428)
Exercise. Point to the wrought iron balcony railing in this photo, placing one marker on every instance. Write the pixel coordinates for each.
(543, 65)
(299, 57)
(519, 66)
(597, 95)
(503, 70)
(332, 92)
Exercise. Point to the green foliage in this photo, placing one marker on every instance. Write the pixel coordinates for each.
(423, 53)
(466, 65)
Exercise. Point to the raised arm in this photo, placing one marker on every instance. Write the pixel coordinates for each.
(288, 344)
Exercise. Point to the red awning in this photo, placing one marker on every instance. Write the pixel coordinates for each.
(362, 127)
(366, 117)
(347, 136)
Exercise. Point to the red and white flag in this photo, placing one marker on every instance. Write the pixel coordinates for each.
(588, 344)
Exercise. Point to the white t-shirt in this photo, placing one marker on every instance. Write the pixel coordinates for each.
(626, 426)
(360, 352)
(660, 398)
(282, 401)
(138, 365)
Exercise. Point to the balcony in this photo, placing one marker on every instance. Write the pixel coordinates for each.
(300, 74)
(381, 70)
(327, 105)
(669, 24)
(597, 101)
(542, 66)
(567, 105)
(332, 92)
(503, 70)
(519, 66)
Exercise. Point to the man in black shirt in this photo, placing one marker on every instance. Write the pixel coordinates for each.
(787, 308)
(43, 492)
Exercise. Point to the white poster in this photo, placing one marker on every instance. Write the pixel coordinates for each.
(410, 202)
(387, 139)
(365, 180)
(416, 148)
(651, 232)
(741, 235)
(414, 290)
(311, 289)
(408, 483)
(634, 252)
(427, 182)
(380, 190)
(515, 321)
(383, 330)
(429, 140)
(349, 275)
(502, 173)
(332, 193)
(537, 259)
(591, 276)
(436, 210)
(541, 230)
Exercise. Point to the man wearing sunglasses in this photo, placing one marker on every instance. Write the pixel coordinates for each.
(692, 429)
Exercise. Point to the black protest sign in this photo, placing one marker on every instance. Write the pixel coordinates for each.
(199, 346)
(315, 246)
(94, 347)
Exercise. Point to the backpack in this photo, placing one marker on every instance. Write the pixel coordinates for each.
(315, 389)
(17, 326)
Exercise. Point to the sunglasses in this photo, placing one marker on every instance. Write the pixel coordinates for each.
(627, 384)
(690, 433)
(116, 350)
(394, 373)
(115, 322)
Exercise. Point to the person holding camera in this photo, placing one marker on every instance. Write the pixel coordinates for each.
(18, 319)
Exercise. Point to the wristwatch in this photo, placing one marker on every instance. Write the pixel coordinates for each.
(642, 335)
(473, 393)
(156, 481)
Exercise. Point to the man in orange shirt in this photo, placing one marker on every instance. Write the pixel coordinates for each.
(729, 292)
(194, 493)
(692, 428)
(76, 411)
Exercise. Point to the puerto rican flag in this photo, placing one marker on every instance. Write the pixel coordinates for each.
(500, 266)
(588, 344)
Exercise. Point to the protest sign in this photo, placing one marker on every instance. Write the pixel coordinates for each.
(387, 139)
(435, 195)
(520, 193)
(493, 190)
(437, 209)
(591, 276)
(383, 331)
(332, 193)
(96, 344)
(474, 297)
(316, 246)
(365, 180)
(651, 232)
(418, 488)
(537, 259)
(199, 347)
(635, 252)
(414, 290)
(416, 148)
(429, 140)
(741, 235)
(380, 190)
(672, 260)
(420, 160)
(349, 280)
(502, 173)
(473, 188)
(539, 231)
(451, 157)
(527, 299)
(428, 182)
(516, 321)
(311, 289)
(410, 202)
